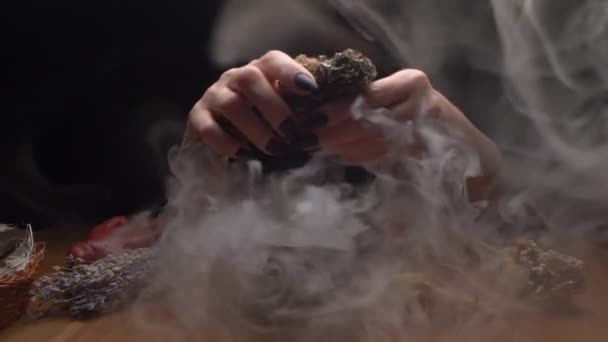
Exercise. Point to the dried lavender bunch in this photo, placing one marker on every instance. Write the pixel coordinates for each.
(530, 277)
(552, 276)
(537, 276)
(89, 289)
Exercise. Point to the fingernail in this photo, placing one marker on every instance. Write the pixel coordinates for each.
(288, 128)
(244, 153)
(305, 82)
(309, 142)
(314, 121)
(333, 158)
(278, 147)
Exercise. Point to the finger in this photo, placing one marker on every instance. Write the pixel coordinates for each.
(347, 132)
(362, 151)
(405, 111)
(326, 116)
(278, 66)
(396, 88)
(423, 104)
(361, 146)
(250, 82)
(239, 112)
(203, 125)
(375, 149)
(361, 159)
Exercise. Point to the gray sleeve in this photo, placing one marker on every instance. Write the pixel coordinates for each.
(245, 30)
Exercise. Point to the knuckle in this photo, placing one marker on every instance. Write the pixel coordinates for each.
(434, 108)
(373, 90)
(219, 98)
(212, 91)
(196, 111)
(231, 104)
(199, 122)
(205, 130)
(247, 75)
(228, 74)
(272, 55)
(418, 77)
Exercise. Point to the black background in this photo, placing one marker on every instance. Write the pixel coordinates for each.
(84, 80)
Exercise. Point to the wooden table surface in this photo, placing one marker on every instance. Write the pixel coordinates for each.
(591, 327)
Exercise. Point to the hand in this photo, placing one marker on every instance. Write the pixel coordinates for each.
(404, 96)
(247, 100)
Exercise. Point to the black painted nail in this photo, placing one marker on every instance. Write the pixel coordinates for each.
(278, 147)
(244, 153)
(289, 129)
(314, 121)
(333, 158)
(309, 142)
(304, 82)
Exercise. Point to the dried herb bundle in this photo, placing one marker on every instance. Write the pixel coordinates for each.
(345, 73)
(88, 289)
(552, 276)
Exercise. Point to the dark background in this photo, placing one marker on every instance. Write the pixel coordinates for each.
(86, 83)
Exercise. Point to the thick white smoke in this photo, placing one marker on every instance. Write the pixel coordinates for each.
(554, 65)
(305, 257)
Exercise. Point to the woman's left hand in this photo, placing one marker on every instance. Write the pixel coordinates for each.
(404, 96)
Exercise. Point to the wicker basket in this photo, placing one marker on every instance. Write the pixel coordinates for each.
(14, 289)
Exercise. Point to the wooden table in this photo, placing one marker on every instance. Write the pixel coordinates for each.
(591, 327)
(114, 327)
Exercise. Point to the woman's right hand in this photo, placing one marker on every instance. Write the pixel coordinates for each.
(248, 99)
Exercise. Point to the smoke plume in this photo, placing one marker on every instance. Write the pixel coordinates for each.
(307, 257)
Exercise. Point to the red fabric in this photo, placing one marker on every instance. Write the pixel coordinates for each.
(82, 250)
(107, 227)
(116, 235)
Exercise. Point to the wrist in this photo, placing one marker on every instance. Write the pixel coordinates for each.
(481, 186)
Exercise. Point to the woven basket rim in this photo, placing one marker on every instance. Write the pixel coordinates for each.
(28, 272)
